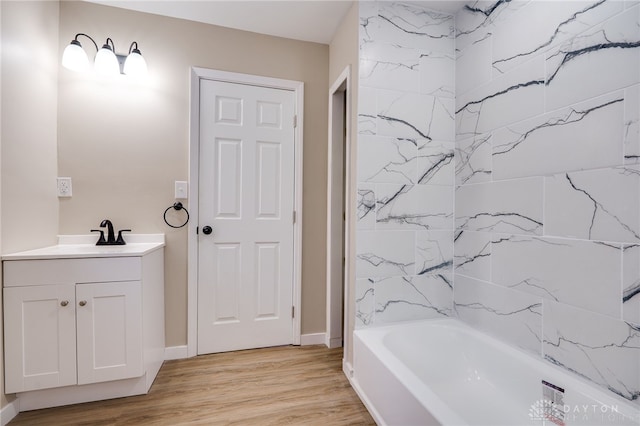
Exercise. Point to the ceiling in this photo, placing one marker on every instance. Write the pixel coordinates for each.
(307, 20)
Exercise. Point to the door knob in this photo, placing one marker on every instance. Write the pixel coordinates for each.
(207, 230)
(82, 302)
(64, 303)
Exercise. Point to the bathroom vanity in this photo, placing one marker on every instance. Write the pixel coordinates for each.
(83, 322)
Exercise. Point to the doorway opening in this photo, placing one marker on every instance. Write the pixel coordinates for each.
(337, 206)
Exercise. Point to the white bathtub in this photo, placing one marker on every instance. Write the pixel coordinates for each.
(443, 372)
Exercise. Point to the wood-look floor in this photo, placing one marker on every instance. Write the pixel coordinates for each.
(273, 386)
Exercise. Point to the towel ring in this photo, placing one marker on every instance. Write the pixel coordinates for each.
(176, 206)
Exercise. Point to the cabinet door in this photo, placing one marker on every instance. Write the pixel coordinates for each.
(109, 324)
(40, 337)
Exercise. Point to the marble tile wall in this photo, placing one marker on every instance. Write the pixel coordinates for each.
(405, 168)
(547, 201)
(499, 176)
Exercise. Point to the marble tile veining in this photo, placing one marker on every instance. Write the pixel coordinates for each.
(435, 163)
(472, 254)
(574, 70)
(364, 302)
(385, 253)
(512, 316)
(491, 106)
(595, 347)
(473, 160)
(582, 204)
(434, 252)
(632, 125)
(412, 115)
(556, 141)
(387, 160)
(631, 283)
(539, 26)
(399, 207)
(412, 298)
(560, 270)
(367, 110)
(477, 20)
(506, 206)
(366, 206)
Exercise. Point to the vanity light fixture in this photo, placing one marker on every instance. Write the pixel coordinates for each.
(107, 62)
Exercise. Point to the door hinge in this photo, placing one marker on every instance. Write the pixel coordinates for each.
(295, 121)
(197, 230)
(294, 216)
(293, 312)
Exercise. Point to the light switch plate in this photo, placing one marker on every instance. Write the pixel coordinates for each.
(181, 190)
(64, 187)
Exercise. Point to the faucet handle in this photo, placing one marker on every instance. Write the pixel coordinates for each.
(120, 240)
(101, 240)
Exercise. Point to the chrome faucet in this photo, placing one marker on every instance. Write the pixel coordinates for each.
(111, 238)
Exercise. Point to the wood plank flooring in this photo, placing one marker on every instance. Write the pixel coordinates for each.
(274, 386)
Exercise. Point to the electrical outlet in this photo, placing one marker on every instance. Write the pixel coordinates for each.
(64, 187)
(181, 190)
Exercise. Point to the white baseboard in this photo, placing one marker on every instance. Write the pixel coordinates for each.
(9, 411)
(176, 352)
(312, 339)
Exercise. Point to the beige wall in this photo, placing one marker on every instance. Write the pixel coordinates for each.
(343, 52)
(28, 202)
(3, 397)
(124, 144)
(29, 97)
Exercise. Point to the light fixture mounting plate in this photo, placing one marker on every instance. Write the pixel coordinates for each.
(121, 59)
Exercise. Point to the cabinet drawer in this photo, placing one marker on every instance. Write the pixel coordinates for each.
(66, 271)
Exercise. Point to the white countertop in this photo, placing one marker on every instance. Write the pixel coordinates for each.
(82, 246)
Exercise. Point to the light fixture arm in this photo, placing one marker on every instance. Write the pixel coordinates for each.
(89, 37)
(112, 47)
(132, 49)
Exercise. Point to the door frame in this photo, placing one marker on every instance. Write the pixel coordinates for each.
(198, 74)
(337, 310)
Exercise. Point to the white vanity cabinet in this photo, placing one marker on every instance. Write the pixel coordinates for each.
(62, 335)
(78, 329)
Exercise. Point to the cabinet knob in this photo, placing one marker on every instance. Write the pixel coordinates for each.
(64, 303)
(82, 302)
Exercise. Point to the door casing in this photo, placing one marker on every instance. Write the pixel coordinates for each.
(297, 87)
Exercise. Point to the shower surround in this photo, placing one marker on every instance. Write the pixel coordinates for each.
(540, 101)
(406, 142)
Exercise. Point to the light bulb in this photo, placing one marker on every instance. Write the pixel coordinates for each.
(74, 57)
(106, 62)
(135, 65)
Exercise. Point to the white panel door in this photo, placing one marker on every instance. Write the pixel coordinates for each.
(246, 196)
(109, 324)
(40, 337)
